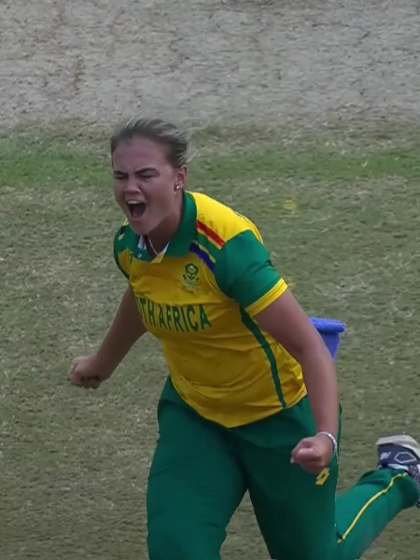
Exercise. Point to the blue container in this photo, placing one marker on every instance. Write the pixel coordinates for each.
(330, 330)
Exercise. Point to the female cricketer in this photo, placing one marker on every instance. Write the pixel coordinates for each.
(251, 400)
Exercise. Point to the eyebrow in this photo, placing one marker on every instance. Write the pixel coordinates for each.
(142, 170)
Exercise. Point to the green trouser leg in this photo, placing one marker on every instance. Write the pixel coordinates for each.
(294, 509)
(298, 513)
(301, 520)
(363, 512)
(200, 472)
(195, 485)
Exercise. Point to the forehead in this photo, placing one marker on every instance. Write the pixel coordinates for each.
(140, 152)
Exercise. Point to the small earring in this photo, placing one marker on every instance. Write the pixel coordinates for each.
(177, 187)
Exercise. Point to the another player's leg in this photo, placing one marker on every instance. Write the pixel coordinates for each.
(363, 512)
(195, 485)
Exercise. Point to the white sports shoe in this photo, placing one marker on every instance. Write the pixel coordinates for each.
(401, 453)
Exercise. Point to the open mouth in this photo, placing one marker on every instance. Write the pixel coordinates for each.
(136, 208)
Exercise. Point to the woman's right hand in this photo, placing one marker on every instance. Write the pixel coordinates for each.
(88, 372)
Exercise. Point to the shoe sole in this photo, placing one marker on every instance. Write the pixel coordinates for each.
(403, 441)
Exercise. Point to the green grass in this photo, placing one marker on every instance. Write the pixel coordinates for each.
(340, 211)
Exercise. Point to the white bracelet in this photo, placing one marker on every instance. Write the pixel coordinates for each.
(332, 439)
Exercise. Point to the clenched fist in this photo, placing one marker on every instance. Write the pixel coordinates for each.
(88, 372)
(313, 453)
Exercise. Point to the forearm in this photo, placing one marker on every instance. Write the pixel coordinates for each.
(321, 381)
(126, 328)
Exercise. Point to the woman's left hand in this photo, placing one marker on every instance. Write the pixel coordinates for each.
(313, 454)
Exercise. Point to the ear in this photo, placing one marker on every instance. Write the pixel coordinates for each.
(181, 177)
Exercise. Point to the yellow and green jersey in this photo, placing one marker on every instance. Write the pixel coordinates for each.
(199, 298)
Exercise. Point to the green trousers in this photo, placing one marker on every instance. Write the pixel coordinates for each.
(201, 471)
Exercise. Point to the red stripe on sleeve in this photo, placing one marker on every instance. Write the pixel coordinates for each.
(211, 234)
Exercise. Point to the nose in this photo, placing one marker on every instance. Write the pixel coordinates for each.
(132, 185)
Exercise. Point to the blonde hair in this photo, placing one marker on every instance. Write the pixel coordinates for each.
(163, 132)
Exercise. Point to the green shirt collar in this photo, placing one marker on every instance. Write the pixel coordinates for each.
(179, 246)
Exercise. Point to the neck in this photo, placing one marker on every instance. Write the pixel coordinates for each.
(167, 229)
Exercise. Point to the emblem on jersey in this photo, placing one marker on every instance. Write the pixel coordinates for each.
(190, 277)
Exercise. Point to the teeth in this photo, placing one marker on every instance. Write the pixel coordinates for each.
(134, 202)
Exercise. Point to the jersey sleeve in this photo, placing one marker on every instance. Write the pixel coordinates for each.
(245, 273)
(122, 252)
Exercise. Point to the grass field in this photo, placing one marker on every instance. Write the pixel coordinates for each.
(340, 211)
